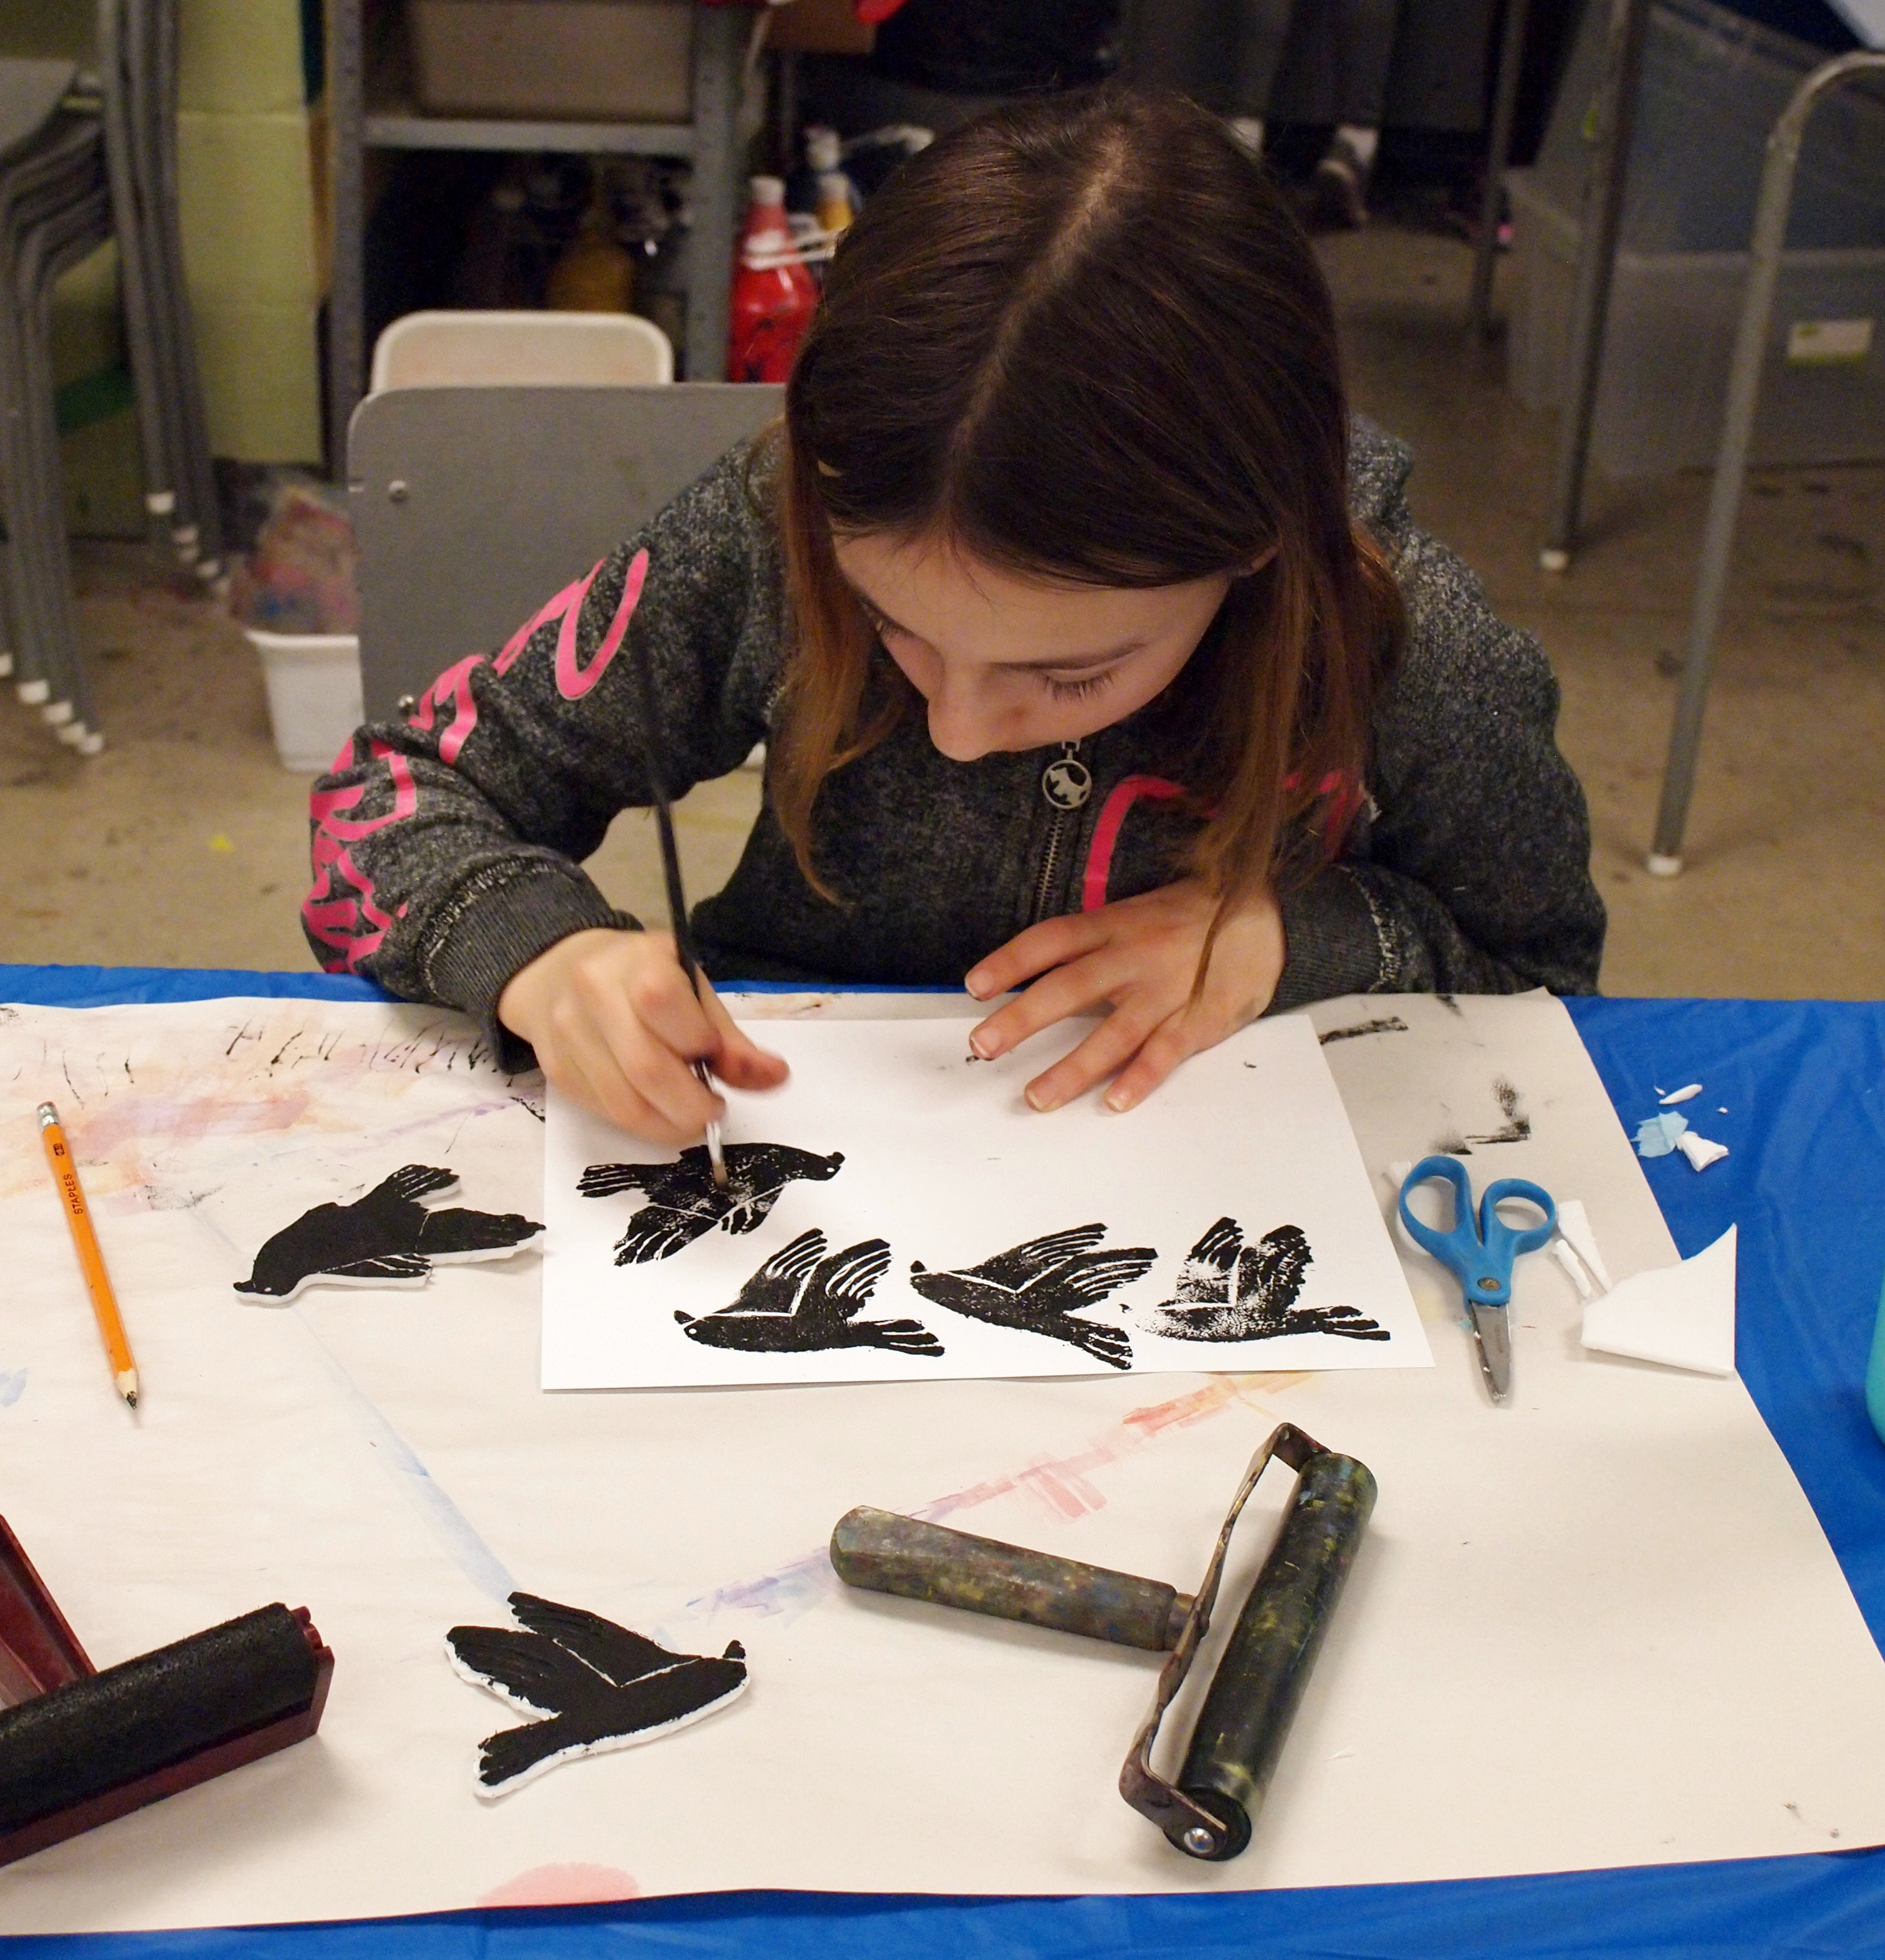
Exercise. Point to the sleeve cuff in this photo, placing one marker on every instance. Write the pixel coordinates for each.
(1333, 941)
(497, 925)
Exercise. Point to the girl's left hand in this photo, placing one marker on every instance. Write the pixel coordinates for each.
(1138, 956)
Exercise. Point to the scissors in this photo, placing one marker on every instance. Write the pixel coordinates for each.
(1480, 1252)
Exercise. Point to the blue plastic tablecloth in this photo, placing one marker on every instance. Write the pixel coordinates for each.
(1803, 1084)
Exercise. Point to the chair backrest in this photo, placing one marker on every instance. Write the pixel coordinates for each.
(495, 349)
(473, 506)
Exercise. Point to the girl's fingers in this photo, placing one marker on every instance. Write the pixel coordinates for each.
(738, 1062)
(661, 997)
(1113, 1043)
(1050, 943)
(1170, 1043)
(584, 1063)
(1071, 989)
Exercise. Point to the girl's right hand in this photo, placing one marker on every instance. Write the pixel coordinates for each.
(617, 1027)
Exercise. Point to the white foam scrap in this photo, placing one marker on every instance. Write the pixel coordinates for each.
(1701, 1151)
(1574, 1226)
(1681, 1095)
(1574, 1266)
(1681, 1315)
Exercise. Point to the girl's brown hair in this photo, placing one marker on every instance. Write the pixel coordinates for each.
(1083, 339)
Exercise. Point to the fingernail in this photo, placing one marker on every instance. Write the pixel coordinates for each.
(1042, 1100)
(1119, 1099)
(976, 984)
(985, 1045)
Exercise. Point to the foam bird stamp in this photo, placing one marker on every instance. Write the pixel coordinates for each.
(1228, 1291)
(596, 1685)
(1040, 1286)
(388, 1237)
(684, 1203)
(800, 1301)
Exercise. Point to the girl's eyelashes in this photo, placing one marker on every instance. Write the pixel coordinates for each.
(1080, 690)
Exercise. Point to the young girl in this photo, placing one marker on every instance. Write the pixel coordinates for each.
(1093, 648)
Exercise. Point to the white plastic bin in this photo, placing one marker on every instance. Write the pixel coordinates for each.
(314, 694)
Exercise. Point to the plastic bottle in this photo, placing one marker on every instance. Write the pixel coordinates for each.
(595, 273)
(835, 207)
(774, 296)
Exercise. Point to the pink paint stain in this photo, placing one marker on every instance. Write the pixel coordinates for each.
(167, 1121)
(564, 1885)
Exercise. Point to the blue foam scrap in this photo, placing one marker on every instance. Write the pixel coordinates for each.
(1656, 1135)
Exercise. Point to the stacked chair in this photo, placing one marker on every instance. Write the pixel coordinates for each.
(82, 159)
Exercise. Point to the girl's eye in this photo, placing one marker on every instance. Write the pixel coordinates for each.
(1080, 690)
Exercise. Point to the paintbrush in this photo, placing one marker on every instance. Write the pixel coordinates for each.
(677, 898)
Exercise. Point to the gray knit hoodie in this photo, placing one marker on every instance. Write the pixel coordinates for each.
(447, 850)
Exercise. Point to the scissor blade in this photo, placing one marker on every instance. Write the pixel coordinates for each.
(1491, 1328)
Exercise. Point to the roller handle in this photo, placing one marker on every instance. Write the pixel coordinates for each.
(1259, 1684)
(883, 1552)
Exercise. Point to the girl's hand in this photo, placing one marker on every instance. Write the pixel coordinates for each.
(1139, 957)
(616, 1026)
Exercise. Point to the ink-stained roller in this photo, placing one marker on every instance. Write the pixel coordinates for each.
(1260, 1681)
(79, 1748)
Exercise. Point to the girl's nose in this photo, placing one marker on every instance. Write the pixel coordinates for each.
(962, 724)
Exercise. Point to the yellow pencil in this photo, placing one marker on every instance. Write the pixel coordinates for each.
(91, 1260)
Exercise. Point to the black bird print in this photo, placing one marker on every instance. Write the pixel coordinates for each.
(1230, 1291)
(600, 1686)
(1038, 1287)
(683, 1203)
(800, 1302)
(388, 1237)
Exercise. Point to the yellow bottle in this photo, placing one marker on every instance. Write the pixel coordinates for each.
(595, 273)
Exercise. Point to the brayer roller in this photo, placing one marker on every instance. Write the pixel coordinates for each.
(1260, 1681)
(79, 1748)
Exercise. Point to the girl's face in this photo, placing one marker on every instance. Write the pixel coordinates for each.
(1007, 662)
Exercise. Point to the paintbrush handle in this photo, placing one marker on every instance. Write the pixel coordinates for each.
(885, 1553)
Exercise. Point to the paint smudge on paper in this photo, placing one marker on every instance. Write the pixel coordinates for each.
(1040, 1286)
(685, 1204)
(1391, 1024)
(564, 1885)
(12, 1386)
(1227, 1290)
(387, 1238)
(596, 1686)
(1517, 1127)
(800, 1301)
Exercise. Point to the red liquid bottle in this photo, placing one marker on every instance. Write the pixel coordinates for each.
(774, 295)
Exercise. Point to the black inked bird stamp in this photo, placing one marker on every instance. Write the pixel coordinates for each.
(1041, 1286)
(1228, 1291)
(802, 1302)
(596, 1685)
(684, 1205)
(388, 1237)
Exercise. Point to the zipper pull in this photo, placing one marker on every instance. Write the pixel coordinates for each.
(1067, 783)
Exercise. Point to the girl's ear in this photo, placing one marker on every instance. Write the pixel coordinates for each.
(1260, 562)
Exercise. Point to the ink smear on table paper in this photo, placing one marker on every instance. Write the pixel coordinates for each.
(685, 1204)
(966, 1235)
(1229, 1291)
(799, 1300)
(596, 1685)
(388, 1237)
(1040, 1287)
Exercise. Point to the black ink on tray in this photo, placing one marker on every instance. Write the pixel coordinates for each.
(802, 1302)
(1040, 1287)
(1390, 1024)
(1517, 1128)
(1228, 1291)
(388, 1237)
(683, 1203)
(598, 1685)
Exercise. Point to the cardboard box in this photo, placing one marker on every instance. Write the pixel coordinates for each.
(595, 60)
(820, 27)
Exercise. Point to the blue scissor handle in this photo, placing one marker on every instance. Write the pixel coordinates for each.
(1480, 1251)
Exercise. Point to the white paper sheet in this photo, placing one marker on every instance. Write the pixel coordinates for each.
(1601, 1627)
(1682, 1315)
(940, 1160)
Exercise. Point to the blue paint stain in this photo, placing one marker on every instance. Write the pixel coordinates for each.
(12, 1386)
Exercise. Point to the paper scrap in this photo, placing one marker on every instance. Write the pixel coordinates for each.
(1656, 1135)
(1681, 1095)
(1574, 1227)
(1681, 1315)
(1701, 1151)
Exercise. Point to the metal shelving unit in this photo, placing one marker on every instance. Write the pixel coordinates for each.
(709, 142)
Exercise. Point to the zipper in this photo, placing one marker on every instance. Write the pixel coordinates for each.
(1065, 783)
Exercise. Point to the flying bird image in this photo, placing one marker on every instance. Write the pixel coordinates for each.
(683, 1203)
(598, 1685)
(1039, 1287)
(800, 1302)
(1228, 1291)
(388, 1237)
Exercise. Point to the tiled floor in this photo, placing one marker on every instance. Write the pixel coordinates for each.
(185, 843)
